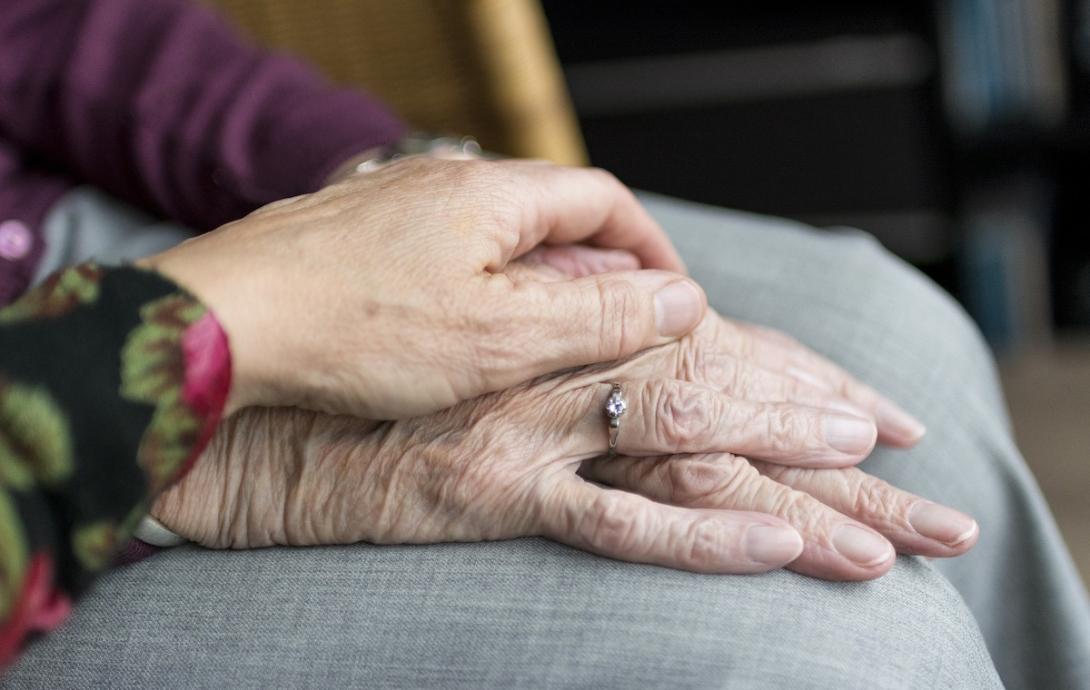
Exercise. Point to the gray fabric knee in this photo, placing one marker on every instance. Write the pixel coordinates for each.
(523, 613)
(945, 329)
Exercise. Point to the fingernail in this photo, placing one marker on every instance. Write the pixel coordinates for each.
(900, 423)
(773, 545)
(861, 546)
(941, 523)
(678, 307)
(849, 434)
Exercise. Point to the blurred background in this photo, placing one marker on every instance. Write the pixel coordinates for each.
(956, 131)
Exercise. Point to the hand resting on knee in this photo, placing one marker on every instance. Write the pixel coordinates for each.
(736, 455)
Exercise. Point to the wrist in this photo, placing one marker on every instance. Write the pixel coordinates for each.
(217, 298)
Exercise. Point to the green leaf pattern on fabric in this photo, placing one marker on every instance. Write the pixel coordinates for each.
(13, 555)
(35, 441)
(68, 441)
(59, 294)
(95, 544)
(153, 372)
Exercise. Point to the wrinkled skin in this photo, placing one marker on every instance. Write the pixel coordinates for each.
(505, 465)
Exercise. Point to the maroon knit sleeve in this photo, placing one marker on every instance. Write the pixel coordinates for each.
(159, 103)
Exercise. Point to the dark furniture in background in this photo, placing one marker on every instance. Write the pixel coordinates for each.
(954, 131)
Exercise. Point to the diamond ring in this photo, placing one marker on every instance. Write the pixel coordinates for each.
(614, 409)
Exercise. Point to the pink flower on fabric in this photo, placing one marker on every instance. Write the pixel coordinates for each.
(207, 358)
(40, 607)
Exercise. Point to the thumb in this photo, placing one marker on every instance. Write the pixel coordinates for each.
(600, 318)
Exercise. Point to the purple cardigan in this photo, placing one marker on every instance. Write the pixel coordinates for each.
(158, 103)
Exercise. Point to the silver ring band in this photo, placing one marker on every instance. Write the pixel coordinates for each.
(615, 408)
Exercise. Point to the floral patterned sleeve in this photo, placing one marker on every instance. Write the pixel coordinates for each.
(112, 380)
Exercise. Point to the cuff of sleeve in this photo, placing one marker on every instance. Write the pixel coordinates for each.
(207, 358)
(351, 139)
(129, 374)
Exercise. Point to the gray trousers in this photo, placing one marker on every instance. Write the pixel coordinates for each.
(530, 613)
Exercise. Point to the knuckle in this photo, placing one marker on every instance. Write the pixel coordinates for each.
(699, 364)
(692, 361)
(704, 540)
(682, 417)
(782, 474)
(793, 506)
(470, 171)
(497, 217)
(789, 428)
(692, 481)
(873, 497)
(488, 187)
(611, 523)
(744, 484)
(621, 310)
(702, 479)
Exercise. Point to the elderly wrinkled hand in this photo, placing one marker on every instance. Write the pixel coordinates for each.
(517, 463)
(384, 296)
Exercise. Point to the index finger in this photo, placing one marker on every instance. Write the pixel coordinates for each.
(629, 527)
(589, 205)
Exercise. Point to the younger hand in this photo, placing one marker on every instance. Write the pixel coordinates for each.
(383, 296)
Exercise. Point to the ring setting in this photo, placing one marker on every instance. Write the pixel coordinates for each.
(615, 408)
